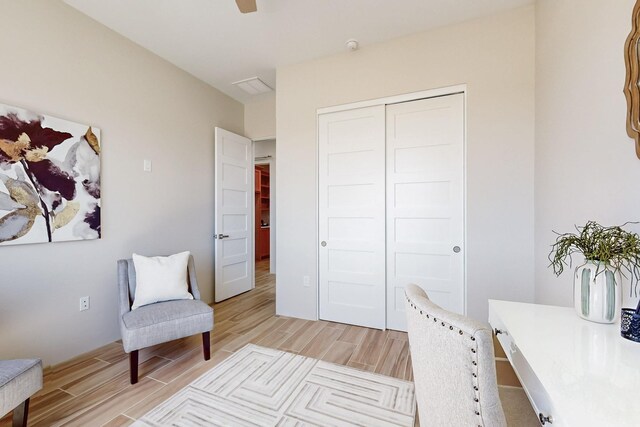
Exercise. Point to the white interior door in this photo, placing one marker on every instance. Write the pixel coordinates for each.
(351, 216)
(234, 261)
(425, 203)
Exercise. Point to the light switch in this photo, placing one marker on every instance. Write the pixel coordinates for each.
(146, 166)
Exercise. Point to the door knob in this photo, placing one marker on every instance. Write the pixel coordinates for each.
(456, 249)
(544, 419)
(323, 243)
(220, 236)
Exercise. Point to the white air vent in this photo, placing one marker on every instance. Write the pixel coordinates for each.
(253, 86)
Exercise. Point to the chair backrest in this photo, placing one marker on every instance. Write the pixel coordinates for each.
(453, 366)
(127, 277)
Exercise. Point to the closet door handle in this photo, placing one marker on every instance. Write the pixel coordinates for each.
(456, 249)
(323, 243)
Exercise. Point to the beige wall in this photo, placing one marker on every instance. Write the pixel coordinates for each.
(495, 57)
(60, 62)
(260, 116)
(586, 167)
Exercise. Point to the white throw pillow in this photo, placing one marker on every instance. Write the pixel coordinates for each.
(160, 278)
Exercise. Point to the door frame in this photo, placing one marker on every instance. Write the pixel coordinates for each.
(395, 99)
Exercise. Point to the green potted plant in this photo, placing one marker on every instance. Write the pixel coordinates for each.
(609, 253)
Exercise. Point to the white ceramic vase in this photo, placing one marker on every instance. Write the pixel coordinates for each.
(596, 292)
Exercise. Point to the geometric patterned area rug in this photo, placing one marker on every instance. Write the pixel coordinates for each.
(259, 386)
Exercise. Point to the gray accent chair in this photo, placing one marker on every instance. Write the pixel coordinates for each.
(19, 380)
(453, 366)
(162, 321)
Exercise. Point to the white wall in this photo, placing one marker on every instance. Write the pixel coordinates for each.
(60, 62)
(260, 116)
(495, 57)
(265, 148)
(586, 167)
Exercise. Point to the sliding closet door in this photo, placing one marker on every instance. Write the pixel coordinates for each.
(425, 203)
(352, 216)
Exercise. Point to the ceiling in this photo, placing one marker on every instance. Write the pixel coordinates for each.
(213, 41)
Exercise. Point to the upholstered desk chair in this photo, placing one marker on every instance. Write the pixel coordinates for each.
(162, 321)
(454, 369)
(19, 380)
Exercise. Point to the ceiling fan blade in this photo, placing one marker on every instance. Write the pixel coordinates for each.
(247, 6)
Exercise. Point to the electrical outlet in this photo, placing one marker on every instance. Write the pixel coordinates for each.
(306, 281)
(84, 303)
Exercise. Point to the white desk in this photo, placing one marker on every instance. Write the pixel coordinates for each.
(578, 372)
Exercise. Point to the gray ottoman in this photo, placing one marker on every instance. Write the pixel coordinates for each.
(19, 380)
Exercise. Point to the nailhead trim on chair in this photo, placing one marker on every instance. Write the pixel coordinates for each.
(473, 362)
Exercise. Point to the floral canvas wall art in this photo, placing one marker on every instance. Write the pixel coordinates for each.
(49, 178)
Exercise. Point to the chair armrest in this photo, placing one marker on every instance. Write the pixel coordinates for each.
(193, 281)
(123, 288)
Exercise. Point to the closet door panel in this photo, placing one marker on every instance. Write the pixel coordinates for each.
(425, 202)
(351, 182)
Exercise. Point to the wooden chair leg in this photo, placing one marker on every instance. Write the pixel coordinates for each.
(206, 345)
(20, 414)
(133, 366)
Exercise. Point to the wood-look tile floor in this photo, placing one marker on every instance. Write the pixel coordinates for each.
(94, 390)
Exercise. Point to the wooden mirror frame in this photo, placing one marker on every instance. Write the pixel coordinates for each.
(632, 81)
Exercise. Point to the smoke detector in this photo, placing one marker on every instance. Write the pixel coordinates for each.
(352, 44)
